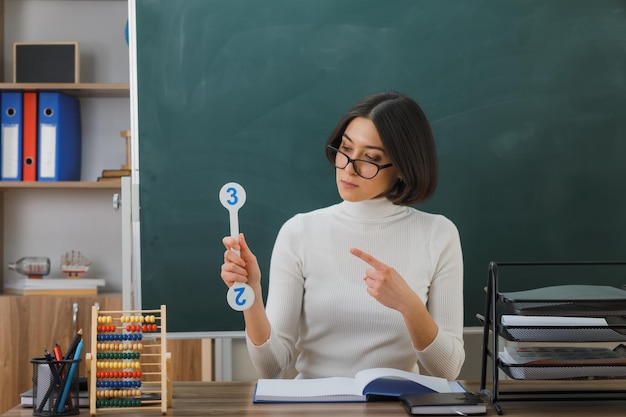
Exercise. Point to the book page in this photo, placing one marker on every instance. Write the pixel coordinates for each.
(307, 388)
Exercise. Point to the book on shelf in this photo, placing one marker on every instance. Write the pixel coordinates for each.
(367, 385)
(53, 286)
(444, 403)
(113, 174)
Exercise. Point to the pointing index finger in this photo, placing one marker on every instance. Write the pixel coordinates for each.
(366, 257)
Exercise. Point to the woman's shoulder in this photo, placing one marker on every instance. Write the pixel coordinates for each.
(434, 219)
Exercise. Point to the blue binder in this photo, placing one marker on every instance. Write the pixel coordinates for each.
(59, 137)
(11, 136)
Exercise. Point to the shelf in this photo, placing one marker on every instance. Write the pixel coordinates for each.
(119, 90)
(110, 184)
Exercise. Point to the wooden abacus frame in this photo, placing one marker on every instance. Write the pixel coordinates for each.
(161, 391)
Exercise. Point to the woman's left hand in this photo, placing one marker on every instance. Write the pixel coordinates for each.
(385, 284)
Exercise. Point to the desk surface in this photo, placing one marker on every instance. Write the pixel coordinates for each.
(193, 399)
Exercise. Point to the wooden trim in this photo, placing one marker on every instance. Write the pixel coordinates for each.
(207, 360)
(109, 184)
(117, 90)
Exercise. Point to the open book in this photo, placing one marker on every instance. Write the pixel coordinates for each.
(366, 385)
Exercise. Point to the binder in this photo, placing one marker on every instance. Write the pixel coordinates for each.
(29, 156)
(11, 136)
(59, 137)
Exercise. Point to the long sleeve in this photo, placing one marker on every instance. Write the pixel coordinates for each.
(444, 357)
(284, 304)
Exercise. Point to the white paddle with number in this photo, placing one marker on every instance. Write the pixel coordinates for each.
(240, 296)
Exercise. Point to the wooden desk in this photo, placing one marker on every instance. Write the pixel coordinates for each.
(193, 399)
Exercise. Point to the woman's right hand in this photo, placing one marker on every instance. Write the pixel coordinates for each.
(242, 266)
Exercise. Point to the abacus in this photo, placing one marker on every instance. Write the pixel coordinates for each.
(128, 348)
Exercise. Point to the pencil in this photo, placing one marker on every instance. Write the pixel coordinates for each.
(70, 351)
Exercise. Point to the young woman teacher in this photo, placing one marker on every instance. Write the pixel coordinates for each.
(371, 281)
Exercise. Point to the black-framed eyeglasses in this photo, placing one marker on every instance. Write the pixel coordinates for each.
(364, 169)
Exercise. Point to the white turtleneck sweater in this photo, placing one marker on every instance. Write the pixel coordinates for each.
(320, 313)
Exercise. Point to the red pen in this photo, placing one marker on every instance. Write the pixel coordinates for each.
(57, 353)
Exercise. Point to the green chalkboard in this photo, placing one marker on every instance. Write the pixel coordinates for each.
(527, 101)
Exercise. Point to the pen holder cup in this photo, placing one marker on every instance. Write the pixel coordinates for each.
(55, 387)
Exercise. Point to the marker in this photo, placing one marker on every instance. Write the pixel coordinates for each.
(240, 296)
(57, 352)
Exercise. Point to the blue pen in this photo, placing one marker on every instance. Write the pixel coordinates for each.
(70, 375)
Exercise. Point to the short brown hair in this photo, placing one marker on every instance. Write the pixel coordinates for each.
(407, 138)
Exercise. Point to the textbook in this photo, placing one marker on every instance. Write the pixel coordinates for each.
(366, 385)
(444, 403)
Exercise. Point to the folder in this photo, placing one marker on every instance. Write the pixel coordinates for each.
(29, 155)
(11, 136)
(59, 137)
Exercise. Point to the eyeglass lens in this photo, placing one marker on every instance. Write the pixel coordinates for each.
(364, 169)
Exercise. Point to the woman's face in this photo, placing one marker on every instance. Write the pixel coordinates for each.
(361, 141)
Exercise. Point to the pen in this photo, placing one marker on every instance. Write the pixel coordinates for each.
(57, 352)
(58, 356)
(70, 375)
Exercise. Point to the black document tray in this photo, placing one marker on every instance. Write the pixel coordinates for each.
(565, 300)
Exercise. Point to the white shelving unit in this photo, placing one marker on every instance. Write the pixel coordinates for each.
(48, 219)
